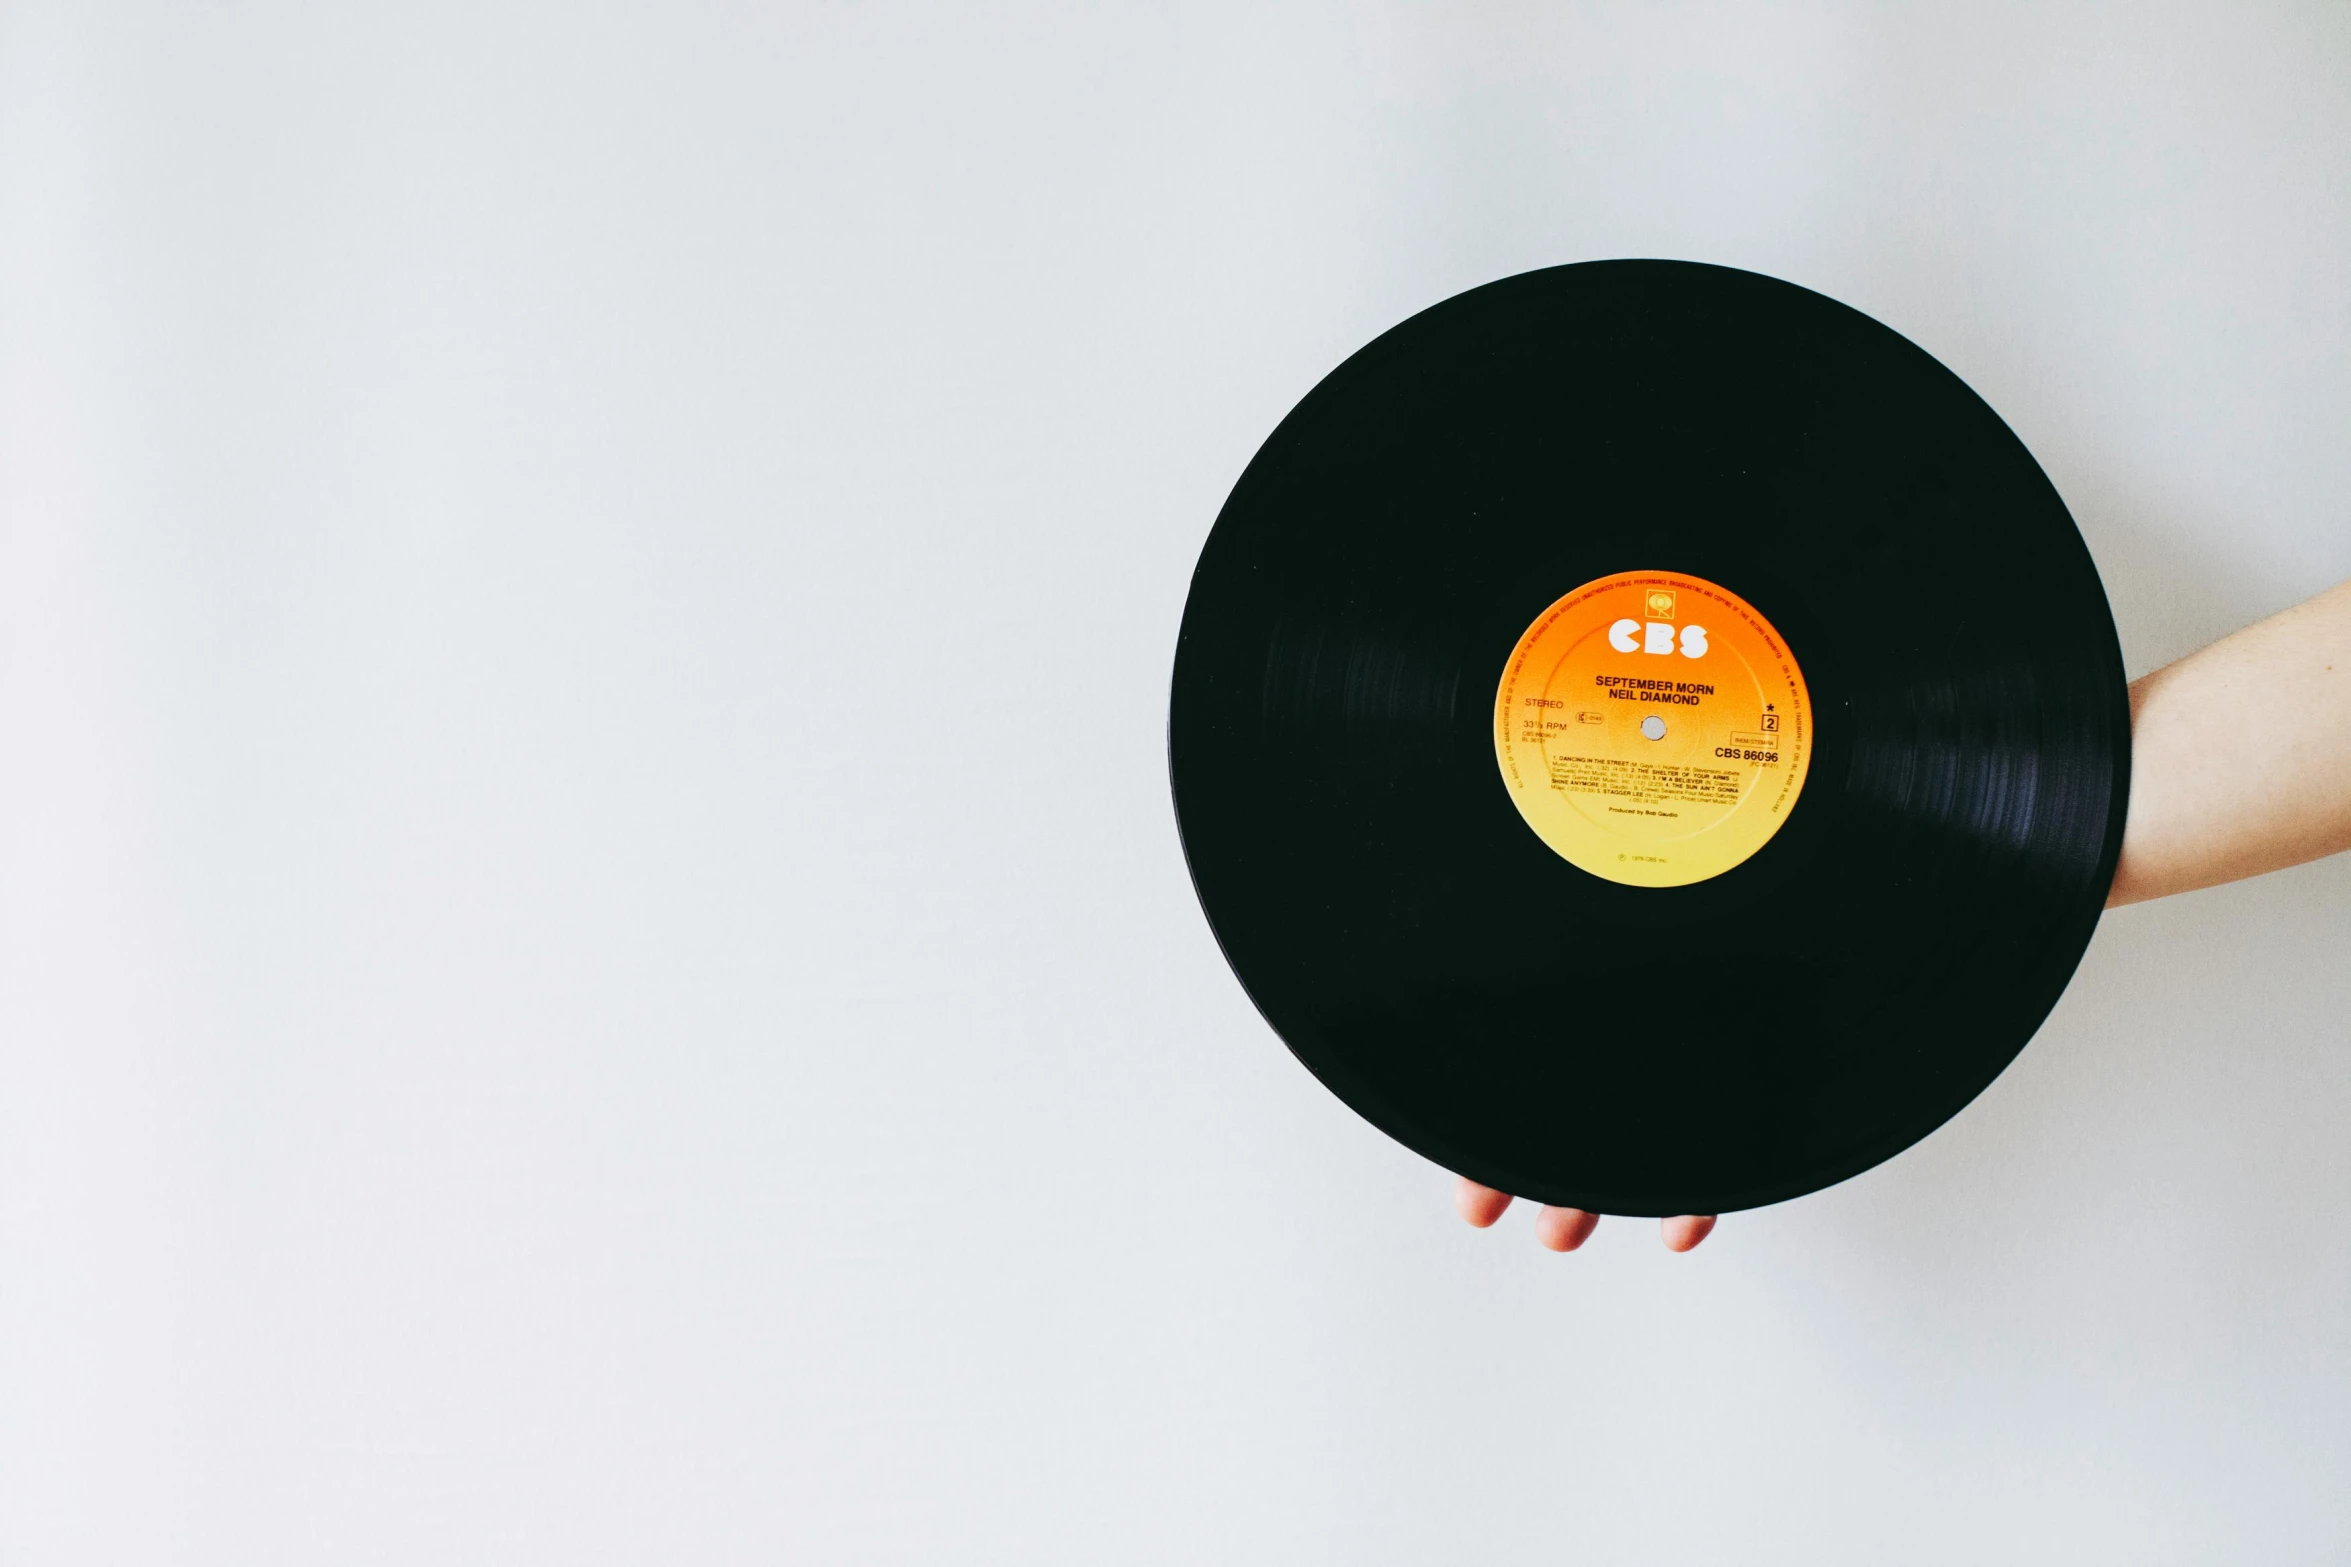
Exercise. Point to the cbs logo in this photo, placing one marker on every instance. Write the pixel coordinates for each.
(1631, 636)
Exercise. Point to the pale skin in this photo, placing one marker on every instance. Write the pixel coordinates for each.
(2240, 764)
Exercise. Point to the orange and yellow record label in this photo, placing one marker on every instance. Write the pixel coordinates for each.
(1653, 728)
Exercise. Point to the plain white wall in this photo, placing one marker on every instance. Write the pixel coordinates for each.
(594, 966)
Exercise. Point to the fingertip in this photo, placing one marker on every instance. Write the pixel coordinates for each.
(1687, 1230)
(1564, 1229)
(1480, 1205)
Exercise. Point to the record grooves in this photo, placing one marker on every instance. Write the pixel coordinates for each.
(1652, 570)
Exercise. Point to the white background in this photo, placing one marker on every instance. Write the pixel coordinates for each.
(594, 966)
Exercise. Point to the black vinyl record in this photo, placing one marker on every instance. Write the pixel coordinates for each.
(1884, 817)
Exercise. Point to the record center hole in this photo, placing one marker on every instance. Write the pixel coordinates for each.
(1653, 726)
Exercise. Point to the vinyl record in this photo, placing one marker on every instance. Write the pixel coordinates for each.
(1649, 738)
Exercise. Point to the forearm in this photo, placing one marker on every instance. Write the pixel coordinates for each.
(2241, 755)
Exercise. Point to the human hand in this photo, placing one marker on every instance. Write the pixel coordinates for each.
(1564, 1229)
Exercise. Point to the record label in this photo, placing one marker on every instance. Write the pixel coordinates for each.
(1653, 729)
